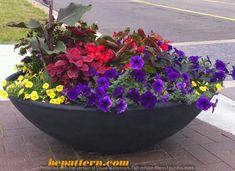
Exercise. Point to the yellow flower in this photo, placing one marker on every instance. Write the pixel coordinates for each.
(55, 101)
(17, 82)
(34, 96)
(4, 83)
(3, 94)
(59, 88)
(24, 68)
(218, 86)
(21, 91)
(62, 99)
(20, 78)
(203, 88)
(45, 86)
(197, 93)
(27, 96)
(28, 84)
(165, 93)
(193, 83)
(51, 93)
(25, 81)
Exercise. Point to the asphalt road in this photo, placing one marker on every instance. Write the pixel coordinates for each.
(176, 20)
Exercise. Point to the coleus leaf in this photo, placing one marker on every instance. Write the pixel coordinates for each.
(72, 14)
(32, 24)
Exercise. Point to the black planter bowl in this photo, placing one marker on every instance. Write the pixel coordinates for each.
(92, 130)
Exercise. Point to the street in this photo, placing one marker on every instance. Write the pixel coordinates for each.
(176, 20)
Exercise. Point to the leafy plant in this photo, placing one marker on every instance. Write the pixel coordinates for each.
(128, 68)
(42, 40)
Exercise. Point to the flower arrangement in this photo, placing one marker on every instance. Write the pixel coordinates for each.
(65, 62)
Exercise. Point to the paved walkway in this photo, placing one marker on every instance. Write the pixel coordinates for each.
(24, 147)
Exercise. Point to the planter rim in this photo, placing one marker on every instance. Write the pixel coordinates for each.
(81, 107)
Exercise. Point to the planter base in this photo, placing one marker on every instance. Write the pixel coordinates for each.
(91, 130)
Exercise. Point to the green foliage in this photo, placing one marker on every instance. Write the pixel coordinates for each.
(37, 43)
(41, 39)
(32, 24)
(72, 13)
(149, 69)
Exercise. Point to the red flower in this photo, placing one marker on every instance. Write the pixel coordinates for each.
(115, 34)
(128, 40)
(126, 66)
(141, 33)
(99, 52)
(134, 45)
(165, 45)
(140, 49)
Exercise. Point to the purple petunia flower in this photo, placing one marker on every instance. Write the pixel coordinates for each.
(180, 53)
(148, 100)
(185, 77)
(170, 47)
(100, 92)
(139, 75)
(207, 71)
(118, 91)
(203, 103)
(146, 54)
(218, 76)
(136, 62)
(233, 73)
(104, 103)
(172, 74)
(103, 82)
(83, 89)
(112, 73)
(195, 66)
(121, 106)
(181, 86)
(93, 72)
(72, 94)
(91, 100)
(191, 90)
(158, 86)
(157, 76)
(134, 94)
(165, 98)
(220, 65)
(193, 59)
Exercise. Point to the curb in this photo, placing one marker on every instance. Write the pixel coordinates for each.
(229, 84)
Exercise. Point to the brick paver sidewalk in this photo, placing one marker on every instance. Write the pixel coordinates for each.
(24, 147)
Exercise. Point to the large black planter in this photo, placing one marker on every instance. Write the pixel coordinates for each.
(92, 130)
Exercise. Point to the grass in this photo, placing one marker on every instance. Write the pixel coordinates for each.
(16, 10)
